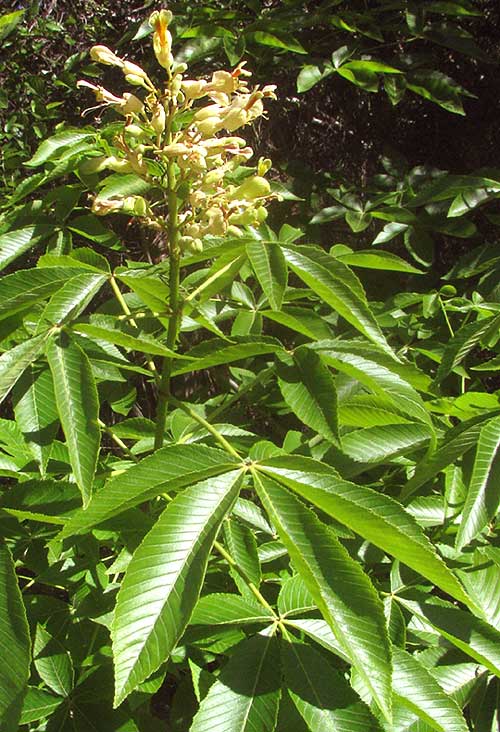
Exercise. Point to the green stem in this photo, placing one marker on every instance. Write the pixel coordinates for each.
(128, 313)
(253, 589)
(210, 428)
(117, 440)
(175, 303)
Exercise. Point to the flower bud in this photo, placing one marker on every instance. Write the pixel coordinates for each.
(118, 165)
(130, 68)
(93, 165)
(234, 231)
(135, 80)
(103, 55)
(176, 148)
(263, 166)
(134, 130)
(251, 188)
(136, 205)
(158, 119)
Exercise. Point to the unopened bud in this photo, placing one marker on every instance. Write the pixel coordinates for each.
(136, 205)
(93, 165)
(158, 120)
(134, 130)
(103, 55)
(263, 166)
(130, 68)
(251, 188)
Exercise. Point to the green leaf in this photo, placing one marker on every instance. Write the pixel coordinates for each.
(284, 41)
(483, 496)
(420, 692)
(142, 344)
(473, 636)
(379, 444)
(301, 320)
(462, 343)
(377, 373)
(320, 693)
(319, 631)
(216, 352)
(455, 443)
(245, 697)
(78, 407)
(164, 578)
(242, 546)
(15, 643)
(223, 609)
(52, 146)
(370, 259)
(311, 75)
(53, 662)
(10, 21)
(334, 282)
(269, 266)
(38, 704)
(15, 243)
(438, 88)
(169, 469)
(342, 591)
(70, 300)
(118, 184)
(36, 412)
(25, 287)
(309, 390)
(374, 516)
(294, 597)
(13, 363)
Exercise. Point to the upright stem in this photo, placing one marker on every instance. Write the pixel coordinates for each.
(175, 302)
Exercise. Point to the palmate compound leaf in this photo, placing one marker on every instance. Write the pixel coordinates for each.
(374, 516)
(245, 697)
(15, 645)
(78, 407)
(342, 591)
(164, 578)
(322, 696)
(168, 469)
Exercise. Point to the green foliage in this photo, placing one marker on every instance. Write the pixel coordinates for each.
(249, 483)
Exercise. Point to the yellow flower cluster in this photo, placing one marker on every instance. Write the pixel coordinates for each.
(179, 138)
